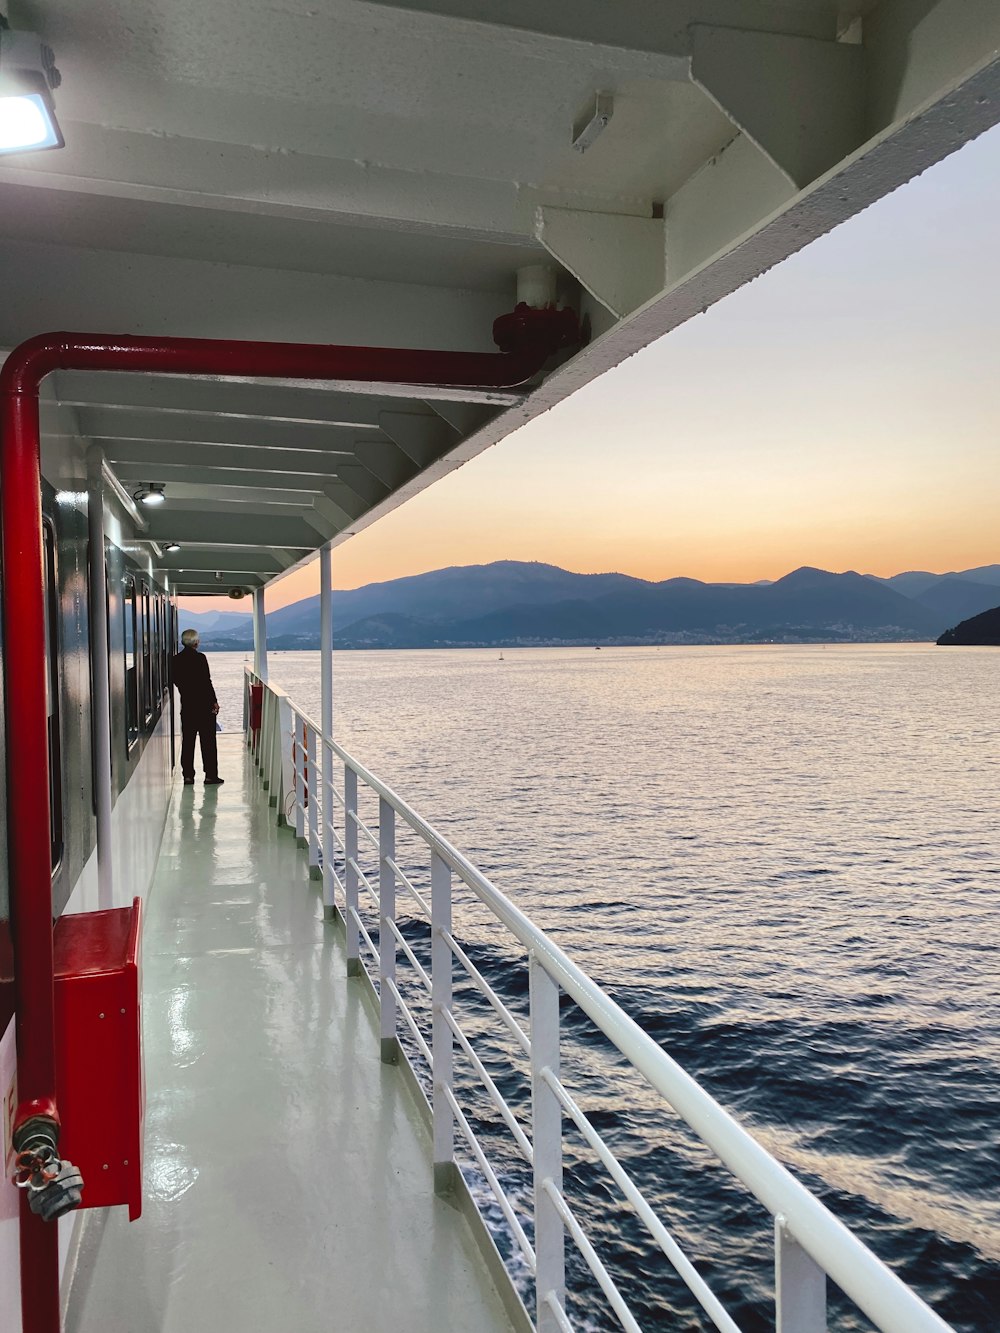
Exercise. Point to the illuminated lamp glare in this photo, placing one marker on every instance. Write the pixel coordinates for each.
(26, 124)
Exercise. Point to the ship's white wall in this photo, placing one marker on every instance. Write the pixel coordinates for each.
(137, 825)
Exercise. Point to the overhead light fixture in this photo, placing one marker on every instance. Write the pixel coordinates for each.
(28, 76)
(151, 493)
(172, 547)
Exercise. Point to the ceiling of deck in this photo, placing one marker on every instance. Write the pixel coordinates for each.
(257, 476)
(378, 172)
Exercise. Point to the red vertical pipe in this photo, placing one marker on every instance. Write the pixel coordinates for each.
(28, 820)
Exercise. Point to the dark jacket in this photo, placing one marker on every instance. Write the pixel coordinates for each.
(193, 681)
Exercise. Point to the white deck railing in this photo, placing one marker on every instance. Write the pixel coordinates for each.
(810, 1244)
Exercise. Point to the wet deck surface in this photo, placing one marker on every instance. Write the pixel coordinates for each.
(288, 1176)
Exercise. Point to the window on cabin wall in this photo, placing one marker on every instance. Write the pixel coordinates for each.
(147, 669)
(131, 665)
(161, 648)
(154, 650)
(52, 694)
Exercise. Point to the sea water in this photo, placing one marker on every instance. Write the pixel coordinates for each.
(784, 862)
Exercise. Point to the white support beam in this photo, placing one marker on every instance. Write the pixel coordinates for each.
(647, 36)
(170, 456)
(187, 483)
(424, 436)
(915, 49)
(340, 511)
(802, 101)
(223, 398)
(388, 464)
(102, 423)
(177, 170)
(182, 565)
(259, 635)
(198, 298)
(723, 201)
(365, 485)
(619, 259)
(223, 527)
(258, 560)
(463, 418)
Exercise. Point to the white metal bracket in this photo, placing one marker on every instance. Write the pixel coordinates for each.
(421, 436)
(594, 122)
(800, 100)
(619, 259)
(463, 418)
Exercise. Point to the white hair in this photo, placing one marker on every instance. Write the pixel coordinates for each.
(190, 638)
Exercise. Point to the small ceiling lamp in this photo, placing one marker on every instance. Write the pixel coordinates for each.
(152, 493)
(27, 78)
(171, 547)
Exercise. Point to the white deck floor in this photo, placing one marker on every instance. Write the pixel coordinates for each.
(288, 1177)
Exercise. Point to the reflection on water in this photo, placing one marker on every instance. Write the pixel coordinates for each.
(782, 861)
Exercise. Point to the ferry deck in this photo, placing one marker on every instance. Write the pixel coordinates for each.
(312, 260)
(256, 1036)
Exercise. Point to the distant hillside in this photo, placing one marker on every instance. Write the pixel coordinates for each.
(981, 631)
(511, 602)
(438, 597)
(958, 598)
(216, 622)
(807, 604)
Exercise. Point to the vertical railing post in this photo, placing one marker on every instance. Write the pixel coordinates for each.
(300, 782)
(262, 739)
(326, 723)
(275, 752)
(799, 1285)
(386, 939)
(442, 1041)
(312, 794)
(546, 1124)
(353, 942)
(284, 780)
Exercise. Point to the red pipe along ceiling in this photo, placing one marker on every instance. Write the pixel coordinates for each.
(528, 338)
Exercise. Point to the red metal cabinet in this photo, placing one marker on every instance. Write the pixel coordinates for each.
(99, 1066)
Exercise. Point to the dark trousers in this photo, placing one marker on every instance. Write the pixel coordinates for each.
(196, 724)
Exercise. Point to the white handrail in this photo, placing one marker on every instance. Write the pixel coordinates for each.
(873, 1287)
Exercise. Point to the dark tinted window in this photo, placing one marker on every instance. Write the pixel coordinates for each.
(131, 666)
(147, 666)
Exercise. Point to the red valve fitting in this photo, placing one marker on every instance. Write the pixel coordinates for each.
(542, 330)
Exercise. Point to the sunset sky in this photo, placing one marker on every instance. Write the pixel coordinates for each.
(841, 411)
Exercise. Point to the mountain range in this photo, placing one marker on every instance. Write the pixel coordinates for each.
(509, 603)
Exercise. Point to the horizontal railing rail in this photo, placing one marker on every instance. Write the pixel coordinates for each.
(810, 1243)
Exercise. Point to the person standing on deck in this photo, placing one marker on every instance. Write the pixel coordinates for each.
(199, 706)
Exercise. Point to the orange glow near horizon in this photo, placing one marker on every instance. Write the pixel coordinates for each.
(841, 411)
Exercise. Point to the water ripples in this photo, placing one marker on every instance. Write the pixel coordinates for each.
(782, 861)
